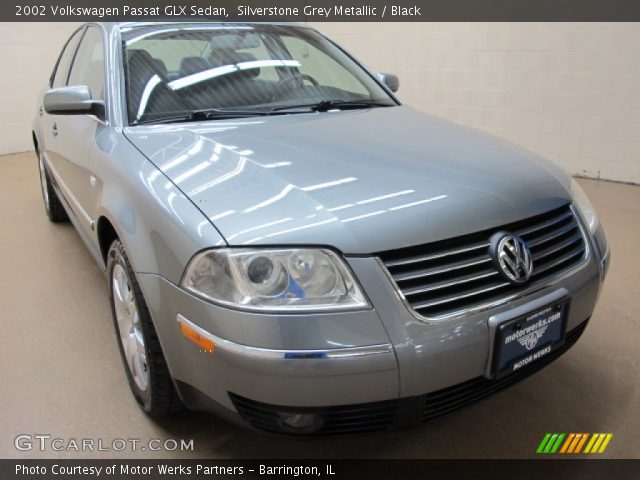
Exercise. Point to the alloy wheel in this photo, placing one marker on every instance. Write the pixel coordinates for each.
(130, 327)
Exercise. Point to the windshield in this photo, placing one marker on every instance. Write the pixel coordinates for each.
(173, 71)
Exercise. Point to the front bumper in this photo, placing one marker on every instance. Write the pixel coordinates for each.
(397, 413)
(361, 371)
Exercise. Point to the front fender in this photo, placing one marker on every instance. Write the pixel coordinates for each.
(158, 225)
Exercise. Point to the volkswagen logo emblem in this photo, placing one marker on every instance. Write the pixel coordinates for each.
(512, 256)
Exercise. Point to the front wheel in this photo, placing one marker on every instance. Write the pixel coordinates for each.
(142, 356)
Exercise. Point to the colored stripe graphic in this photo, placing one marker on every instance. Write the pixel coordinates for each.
(544, 441)
(574, 443)
(550, 443)
(590, 444)
(606, 441)
(581, 442)
(567, 442)
(555, 447)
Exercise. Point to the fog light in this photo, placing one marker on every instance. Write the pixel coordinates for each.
(300, 422)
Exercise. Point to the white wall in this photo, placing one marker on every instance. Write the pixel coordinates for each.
(28, 52)
(568, 91)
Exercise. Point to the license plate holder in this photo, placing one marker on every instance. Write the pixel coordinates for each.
(521, 341)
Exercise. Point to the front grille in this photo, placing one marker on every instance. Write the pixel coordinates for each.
(402, 412)
(346, 419)
(442, 278)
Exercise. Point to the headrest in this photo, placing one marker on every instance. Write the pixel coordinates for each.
(240, 57)
(231, 57)
(144, 64)
(191, 65)
(160, 67)
(137, 55)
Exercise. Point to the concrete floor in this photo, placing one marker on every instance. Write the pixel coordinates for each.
(61, 372)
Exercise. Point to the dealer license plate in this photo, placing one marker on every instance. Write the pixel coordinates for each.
(528, 338)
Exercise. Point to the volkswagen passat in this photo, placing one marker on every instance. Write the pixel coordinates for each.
(289, 245)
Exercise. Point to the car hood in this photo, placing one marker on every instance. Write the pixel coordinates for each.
(361, 181)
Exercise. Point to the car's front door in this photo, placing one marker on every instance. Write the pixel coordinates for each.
(70, 139)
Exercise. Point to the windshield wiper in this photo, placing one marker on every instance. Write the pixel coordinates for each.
(204, 114)
(221, 114)
(327, 105)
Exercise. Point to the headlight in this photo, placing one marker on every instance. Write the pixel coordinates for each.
(587, 212)
(300, 279)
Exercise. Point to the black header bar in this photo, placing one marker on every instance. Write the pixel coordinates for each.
(323, 10)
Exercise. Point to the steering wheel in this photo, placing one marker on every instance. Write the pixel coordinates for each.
(289, 79)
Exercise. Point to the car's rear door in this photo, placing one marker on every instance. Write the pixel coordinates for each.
(49, 123)
(71, 138)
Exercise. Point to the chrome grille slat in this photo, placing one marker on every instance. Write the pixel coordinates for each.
(438, 286)
(550, 236)
(437, 271)
(472, 293)
(553, 221)
(397, 263)
(451, 277)
(556, 248)
(574, 252)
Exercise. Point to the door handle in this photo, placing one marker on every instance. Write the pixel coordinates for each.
(41, 110)
(54, 130)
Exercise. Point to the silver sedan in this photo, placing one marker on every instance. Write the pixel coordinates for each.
(290, 246)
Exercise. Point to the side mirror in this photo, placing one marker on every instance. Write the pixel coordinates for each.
(391, 81)
(74, 100)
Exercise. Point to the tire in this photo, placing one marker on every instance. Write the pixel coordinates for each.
(52, 205)
(140, 349)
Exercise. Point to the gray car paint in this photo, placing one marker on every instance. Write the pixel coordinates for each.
(429, 355)
(362, 181)
(474, 182)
